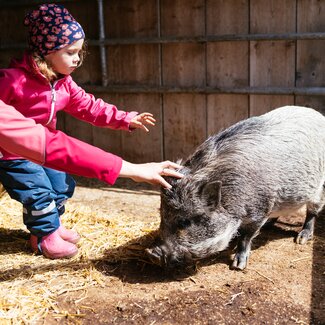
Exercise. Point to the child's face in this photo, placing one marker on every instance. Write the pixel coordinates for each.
(66, 60)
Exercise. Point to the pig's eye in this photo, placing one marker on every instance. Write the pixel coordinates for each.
(184, 223)
(197, 219)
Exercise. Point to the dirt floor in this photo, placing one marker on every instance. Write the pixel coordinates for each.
(283, 284)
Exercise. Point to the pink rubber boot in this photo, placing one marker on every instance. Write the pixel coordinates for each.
(69, 235)
(53, 246)
(66, 234)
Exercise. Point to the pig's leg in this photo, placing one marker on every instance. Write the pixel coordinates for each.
(244, 246)
(308, 229)
(271, 222)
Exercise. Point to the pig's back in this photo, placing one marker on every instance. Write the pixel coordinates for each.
(287, 138)
(280, 154)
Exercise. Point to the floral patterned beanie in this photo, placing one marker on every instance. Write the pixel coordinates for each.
(51, 27)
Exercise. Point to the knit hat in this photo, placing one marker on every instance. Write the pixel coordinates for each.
(51, 27)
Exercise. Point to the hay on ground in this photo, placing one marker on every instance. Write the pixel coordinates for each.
(30, 284)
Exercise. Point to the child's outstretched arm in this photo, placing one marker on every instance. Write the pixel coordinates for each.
(151, 173)
(140, 121)
(54, 149)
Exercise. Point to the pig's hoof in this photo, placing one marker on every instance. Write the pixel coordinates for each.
(153, 256)
(240, 262)
(304, 236)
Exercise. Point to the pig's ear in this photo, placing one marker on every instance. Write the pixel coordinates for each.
(211, 193)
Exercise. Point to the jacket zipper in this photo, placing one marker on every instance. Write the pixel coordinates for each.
(53, 100)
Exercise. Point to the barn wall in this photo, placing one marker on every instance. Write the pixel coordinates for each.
(197, 65)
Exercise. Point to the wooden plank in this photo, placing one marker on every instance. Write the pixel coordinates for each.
(310, 53)
(182, 18)
(260, 104)
(316, 102)
(310, 16)
(183, 64)
(227, 17)
(133, 64)
(227, 64)
(90, 70)
(76, 128)
(225, 110)
(10, 19)
(131, 18)
(136, 146)
(310, 63)
(184, 124)
(272, 16)
(272, 63)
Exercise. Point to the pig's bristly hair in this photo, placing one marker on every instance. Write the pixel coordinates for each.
(184, 191)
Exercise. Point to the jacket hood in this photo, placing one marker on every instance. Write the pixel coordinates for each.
(28, 64)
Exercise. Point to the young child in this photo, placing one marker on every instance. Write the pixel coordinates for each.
(39, 86)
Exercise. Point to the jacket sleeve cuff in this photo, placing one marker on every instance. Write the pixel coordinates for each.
(127, 120)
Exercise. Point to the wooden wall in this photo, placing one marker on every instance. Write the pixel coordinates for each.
(162, 58)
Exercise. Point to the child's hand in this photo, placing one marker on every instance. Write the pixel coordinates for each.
(139, 121)
(151, 173)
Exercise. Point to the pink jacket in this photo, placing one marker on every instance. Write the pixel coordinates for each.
(25, 88)
(22, 136)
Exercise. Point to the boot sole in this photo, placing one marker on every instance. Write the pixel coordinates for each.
(55, 257)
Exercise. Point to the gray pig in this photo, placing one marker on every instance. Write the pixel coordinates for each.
(236, 180)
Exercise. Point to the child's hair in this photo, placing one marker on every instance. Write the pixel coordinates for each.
(46, 69)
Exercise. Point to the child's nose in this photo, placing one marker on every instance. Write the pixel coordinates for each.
(76, 59)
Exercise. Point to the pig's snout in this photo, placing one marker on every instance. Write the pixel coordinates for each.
(170, 258)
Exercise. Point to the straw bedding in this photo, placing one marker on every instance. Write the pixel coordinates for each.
(30, 284)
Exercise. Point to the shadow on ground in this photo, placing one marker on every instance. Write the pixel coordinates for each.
(318, 274)
(132, 267)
